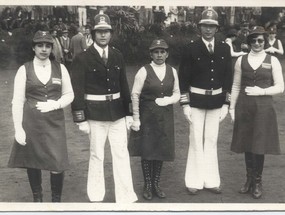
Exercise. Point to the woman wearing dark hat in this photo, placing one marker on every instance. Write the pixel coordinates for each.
(274, 46)
(155, 91)
(42, 88)
(258, 76)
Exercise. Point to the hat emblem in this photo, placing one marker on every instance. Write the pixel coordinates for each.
(158, 42)
(254, 28)
(44, 33)
(102, 19)
(209, 13)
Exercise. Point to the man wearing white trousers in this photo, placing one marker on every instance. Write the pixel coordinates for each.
(101, 109)
(205, 76)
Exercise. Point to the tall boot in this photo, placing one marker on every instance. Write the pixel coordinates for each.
(157, 166)
(147, 171)
(248, 184)
(35, 179)
(56, 182)
(258, 162)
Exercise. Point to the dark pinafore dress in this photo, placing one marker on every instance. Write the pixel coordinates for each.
(46, 147)
(155, 139)
(255, 126)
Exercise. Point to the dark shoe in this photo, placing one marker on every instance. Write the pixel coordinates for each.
(192, 191)
(56, 182)
(147, 171)
(248, 184)
(157, 166)
(215, 190)
(35, 180)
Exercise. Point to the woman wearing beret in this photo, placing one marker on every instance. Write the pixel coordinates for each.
(42, 88)
(154, 92)
(257, 77)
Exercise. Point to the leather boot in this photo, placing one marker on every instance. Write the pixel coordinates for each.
(56, 182)
(258, 162)
(157, 166)
(248, 184)
(35, 179)
(257, 186)
(147, 169)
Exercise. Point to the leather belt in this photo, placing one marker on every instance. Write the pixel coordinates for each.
(205, 92)
(108, 97)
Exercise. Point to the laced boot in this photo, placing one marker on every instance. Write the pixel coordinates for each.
(157, 166)
(56, 182)
(35, 180)
(257, 186)
(146, 168)
(248, 184)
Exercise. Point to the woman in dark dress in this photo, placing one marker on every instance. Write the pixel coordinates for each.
(42, 88)
(257, 77)
(155, 91)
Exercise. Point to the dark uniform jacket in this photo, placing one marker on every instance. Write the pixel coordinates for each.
(203, 70)
(91, 76)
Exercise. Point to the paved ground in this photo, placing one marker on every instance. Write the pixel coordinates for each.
(15, 188)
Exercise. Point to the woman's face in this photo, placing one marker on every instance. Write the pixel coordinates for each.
(159, 56)
(42, 50)
(257, 43)
(271, 36)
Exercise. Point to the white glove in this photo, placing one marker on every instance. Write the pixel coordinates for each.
(187, 112)
(254, 91)
(136, 125)
(166, 100)
(129, 121)
(20, 136)
(84, 127)
(224, 112)
(232, 114)
(48, 106)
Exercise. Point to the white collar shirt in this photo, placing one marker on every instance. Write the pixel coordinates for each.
(207, 43)
(100, 50)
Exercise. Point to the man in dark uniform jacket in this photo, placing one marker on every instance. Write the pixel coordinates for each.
(101, 109)
(205, 77)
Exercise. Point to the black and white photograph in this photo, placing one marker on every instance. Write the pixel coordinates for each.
(142, 106)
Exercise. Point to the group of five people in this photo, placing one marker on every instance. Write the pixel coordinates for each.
(104, 108)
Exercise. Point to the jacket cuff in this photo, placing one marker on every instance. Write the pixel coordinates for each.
(78, 116)
(184, 99)
(228, 99)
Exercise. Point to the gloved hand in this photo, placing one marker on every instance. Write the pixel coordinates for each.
(129, 121)
(187, 112)
(224, 112)
(136, 125)
(84, 127)
(166, 100)
(47, 106)
(232, 114)
(20, 136)
(254, 91)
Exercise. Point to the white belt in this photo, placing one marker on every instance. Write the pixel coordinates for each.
(205, 92)
(108, 97)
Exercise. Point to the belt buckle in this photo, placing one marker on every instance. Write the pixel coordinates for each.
(109, 97)
(208, 92)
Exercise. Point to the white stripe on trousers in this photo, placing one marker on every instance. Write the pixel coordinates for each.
(202, 168)
(117, 134)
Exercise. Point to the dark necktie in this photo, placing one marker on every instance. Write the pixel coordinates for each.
(104, 57)
(210, 48)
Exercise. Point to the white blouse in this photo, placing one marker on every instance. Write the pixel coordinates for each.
(43, 73)
(255, 59)
(160, 71)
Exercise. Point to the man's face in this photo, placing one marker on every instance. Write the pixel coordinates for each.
(208, 31)
(102, 37)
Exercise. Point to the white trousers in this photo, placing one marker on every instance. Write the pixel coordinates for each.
(202, 170)
(82, 16)
(117, 134)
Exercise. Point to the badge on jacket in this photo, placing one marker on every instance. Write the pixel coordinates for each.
(56, 81)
